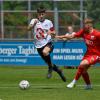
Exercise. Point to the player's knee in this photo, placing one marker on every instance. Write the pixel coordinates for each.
(45, 53)
(84, 63)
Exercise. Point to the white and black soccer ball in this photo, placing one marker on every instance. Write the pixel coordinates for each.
(24, 84)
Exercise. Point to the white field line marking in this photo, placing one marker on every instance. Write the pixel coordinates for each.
(46, 86)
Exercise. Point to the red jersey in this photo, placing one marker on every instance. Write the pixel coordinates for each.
(92, 41)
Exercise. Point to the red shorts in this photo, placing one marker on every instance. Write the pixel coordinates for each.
(92, 59)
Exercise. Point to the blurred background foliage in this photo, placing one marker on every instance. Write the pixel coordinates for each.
(19, 20)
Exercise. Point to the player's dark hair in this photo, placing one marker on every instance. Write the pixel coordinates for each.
(41, 9)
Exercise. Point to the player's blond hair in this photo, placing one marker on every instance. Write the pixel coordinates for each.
(88, 20)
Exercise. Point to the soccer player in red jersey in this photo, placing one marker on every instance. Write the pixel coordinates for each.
(91, 37)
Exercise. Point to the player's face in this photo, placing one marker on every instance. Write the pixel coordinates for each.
(87, 26)
(41, 16)
(70, 29)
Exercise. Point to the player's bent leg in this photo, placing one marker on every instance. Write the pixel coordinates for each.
(50, 66)
(82, 68)
(61, 74)
(46, 55)
(84, 65)
(86, 78)
(46, 51)
(47, 59)
(79, 72)
(91, 60)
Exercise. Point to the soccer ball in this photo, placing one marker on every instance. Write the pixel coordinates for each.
(24, 84)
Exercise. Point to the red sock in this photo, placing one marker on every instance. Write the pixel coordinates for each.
(79, 72)
(86, 78)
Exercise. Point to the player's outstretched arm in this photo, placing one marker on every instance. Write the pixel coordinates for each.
(66, 36)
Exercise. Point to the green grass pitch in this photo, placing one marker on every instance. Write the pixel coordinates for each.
(45, 89)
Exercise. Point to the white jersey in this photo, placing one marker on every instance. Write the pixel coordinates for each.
(41, 28)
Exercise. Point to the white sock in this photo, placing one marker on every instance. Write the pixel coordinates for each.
(74, 81)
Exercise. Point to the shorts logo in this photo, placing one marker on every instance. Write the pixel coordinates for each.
(46, 25)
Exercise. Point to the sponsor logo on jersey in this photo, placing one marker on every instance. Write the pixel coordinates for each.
(92, 37)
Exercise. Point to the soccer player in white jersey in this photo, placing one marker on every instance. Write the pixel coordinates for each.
(43, 31)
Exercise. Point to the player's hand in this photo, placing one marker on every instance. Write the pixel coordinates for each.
(36, 21)
(53, 35)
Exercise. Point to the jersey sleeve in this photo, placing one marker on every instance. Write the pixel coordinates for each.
(79, 33)
(51, 26)
(32, 22)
